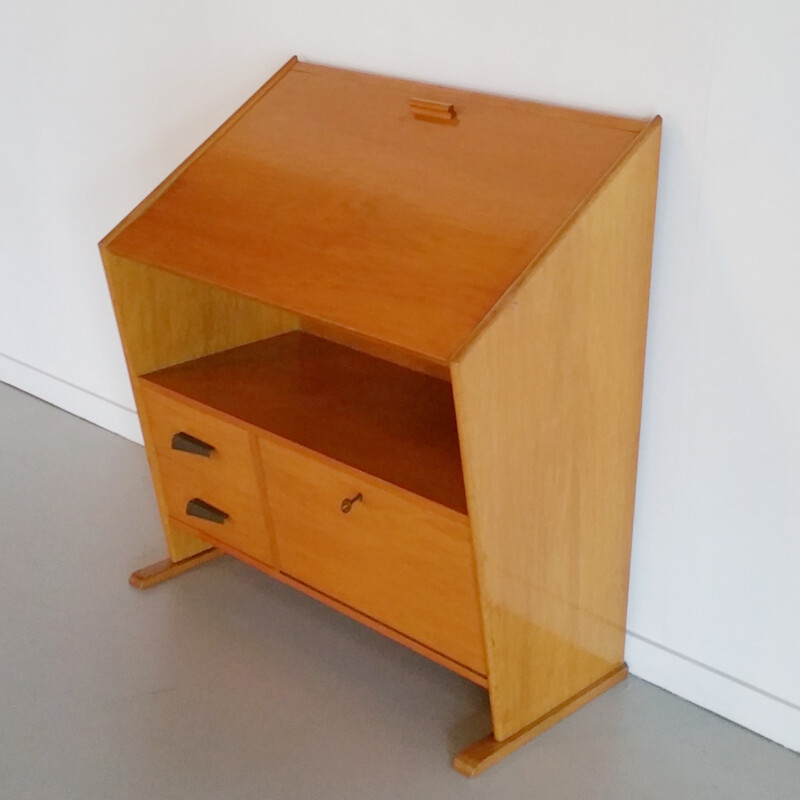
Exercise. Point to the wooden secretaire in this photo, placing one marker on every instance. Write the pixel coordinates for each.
(386, 341)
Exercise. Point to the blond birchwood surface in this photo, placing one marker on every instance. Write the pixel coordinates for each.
(335, 604)
(329, 199)
(486, 752)
(168, 181)
(165, 319)
(161, 571)
(378, 417)
(227, 479)
(395, 556)
(548, 399)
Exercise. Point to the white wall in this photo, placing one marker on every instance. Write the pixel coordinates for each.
(99, 101)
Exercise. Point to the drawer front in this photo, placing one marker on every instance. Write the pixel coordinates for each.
(198, 482)
(403, 560)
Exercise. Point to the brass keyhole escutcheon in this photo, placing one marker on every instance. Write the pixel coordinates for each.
(347, 503)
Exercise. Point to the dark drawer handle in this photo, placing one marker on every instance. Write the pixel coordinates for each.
(347, 503)
(183, 441)
(202, 510)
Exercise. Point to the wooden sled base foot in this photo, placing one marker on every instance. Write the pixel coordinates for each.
(482, 754)
(161, 571)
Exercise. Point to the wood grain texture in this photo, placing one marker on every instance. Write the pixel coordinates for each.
(373, 347)
(442, 93)
(227, 479)
(385, 630)
(506, 250)
(329, 199)
(376, 416)
(165, 319)
(170, 179)
(396, 557)
(152, 575)
(486, 752)
(548, 399)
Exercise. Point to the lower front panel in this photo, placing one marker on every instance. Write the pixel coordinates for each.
(390, 555)
(401, 559)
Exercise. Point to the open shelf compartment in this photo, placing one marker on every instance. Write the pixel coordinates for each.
(383, 419)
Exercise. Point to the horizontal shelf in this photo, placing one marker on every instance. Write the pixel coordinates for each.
(391, 422)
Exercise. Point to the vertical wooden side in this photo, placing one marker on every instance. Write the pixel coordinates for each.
(548, 400)
(165, 319)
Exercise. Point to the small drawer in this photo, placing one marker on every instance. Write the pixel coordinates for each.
(392, 555)
(208, 474)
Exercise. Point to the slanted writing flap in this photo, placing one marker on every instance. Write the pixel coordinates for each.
(330, 198)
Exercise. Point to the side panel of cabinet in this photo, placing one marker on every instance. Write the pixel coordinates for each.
(165, 319)
(548, 400)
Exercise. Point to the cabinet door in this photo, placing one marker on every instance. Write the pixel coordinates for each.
(399, 558)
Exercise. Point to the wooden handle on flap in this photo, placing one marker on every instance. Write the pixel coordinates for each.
(432, 110)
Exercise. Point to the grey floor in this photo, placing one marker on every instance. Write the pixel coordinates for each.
(225, 684)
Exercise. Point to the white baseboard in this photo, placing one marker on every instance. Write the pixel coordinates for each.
(69, 397)
(772, 717)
